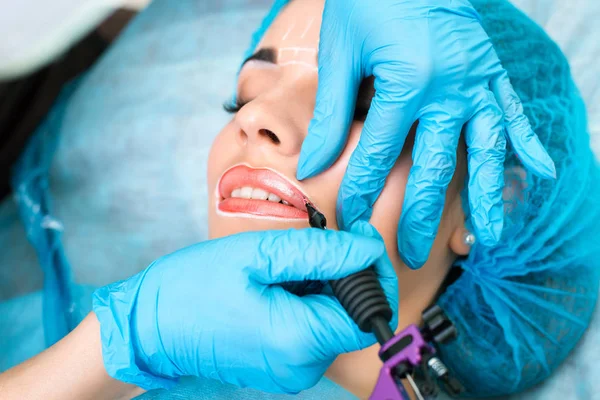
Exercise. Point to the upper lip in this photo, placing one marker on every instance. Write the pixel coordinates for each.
(263, 178)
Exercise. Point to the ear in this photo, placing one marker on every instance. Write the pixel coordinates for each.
(457, 242)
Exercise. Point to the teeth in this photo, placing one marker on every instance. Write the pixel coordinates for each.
(259, 194)
(274, 198)
(246, 192)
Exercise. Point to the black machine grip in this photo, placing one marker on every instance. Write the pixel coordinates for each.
(360, 294)
(362, 297)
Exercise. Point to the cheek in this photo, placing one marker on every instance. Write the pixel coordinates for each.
(223, 154)
(220, 153)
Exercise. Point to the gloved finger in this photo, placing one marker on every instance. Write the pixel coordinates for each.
(486, 146)
(434, 162)
(311, 254)
(526, 143)
(386, 127)
(334, 108)
(384, 269)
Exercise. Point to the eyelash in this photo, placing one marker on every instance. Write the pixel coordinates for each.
(234, 107)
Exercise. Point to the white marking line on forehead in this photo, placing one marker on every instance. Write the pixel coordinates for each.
(296, 50)
(302, 52)
(307, 27)
(288, 32)
(259, 64)
(301, 63)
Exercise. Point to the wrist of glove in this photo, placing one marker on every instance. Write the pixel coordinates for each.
(124, 358)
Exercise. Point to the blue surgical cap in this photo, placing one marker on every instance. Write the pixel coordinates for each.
(520, 307)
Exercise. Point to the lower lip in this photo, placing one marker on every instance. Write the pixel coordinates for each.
(260, 208)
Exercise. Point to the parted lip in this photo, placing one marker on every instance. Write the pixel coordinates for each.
(267, 179)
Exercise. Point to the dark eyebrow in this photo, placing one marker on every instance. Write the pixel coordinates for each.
(266, 54)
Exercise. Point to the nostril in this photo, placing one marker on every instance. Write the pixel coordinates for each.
(243, 137)
(271, 135)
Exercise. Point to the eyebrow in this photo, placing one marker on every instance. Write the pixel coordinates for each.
(266, 54)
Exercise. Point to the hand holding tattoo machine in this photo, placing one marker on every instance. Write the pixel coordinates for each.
(407, 355)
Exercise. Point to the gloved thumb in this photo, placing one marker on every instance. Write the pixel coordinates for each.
(312, 254)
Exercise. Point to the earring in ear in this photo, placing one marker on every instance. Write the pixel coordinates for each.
(469, 239)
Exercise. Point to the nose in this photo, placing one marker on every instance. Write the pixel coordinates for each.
(271, 124)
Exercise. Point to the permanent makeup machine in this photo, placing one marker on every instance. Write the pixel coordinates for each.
(408, 355)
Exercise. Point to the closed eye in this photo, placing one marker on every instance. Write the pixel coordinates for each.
(235, 106)
(366, 93)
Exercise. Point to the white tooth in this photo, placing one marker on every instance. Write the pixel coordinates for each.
(274, 197)
(236, 193)
(285, 202)
(246, 192)
(259, 194)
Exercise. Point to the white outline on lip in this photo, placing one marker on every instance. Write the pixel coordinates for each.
(252, 216)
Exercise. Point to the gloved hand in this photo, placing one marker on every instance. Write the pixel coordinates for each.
(432, 61)
(214, 310)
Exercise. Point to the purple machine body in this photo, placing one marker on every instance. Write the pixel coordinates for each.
(388, 385)
(408, 355)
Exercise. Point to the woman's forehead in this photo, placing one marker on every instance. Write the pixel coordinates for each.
(296, 28)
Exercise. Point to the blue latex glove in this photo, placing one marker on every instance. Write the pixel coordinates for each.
(213, 310)
(432, 61)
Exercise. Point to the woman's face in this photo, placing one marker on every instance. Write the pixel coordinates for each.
(277, 89)
(253, 161)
